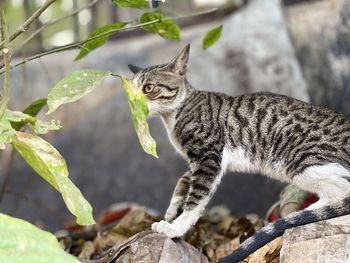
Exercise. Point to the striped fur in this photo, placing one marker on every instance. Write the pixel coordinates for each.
(283, 138)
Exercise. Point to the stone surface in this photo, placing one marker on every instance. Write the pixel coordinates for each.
(149, 247)
(321, 34)
(323, 242)
(254, 54)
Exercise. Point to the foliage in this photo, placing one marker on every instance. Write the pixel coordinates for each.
(74, 86)
(22, 242)
(98, 38)
(139, 110)
(49, 164)
(32, 110)
(6, 133)
(165, 27)
(131, 3)
(212, 37)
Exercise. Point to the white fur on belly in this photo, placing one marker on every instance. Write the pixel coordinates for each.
(237, 160)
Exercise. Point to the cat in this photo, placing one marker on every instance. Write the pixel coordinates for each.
(275, 135)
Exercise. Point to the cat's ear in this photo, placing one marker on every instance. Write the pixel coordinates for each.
(134, 69)
(179, 63)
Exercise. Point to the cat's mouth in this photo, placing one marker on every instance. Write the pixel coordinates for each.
(152, 110)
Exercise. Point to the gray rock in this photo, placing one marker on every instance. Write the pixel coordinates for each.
(148, 247)
(321, 34)
(254, 54)
(323, 242)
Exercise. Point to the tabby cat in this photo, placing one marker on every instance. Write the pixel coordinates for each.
(281, 137)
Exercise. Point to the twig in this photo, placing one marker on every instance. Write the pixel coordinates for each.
(7, 167)
(109, 32)
(6, 57)
(24, 27)
(54, 21)
(81, 43)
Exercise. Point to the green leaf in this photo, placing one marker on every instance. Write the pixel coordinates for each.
(95, 42)
(41, 127)
(74, 86)
(50, 165)
(166, 27)
(32, 110)
(18, 116)
(212, 37)
(131, 3)
(139, 111)
(23, 242)
(6, 133)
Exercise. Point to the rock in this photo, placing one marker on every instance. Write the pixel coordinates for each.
(322, 242)
(321, 34)
(149, 247)
(254, 54)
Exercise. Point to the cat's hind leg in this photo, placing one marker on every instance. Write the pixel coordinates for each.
(329, 181)
(179, 197)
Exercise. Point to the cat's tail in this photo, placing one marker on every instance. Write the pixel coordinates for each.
(276, 229)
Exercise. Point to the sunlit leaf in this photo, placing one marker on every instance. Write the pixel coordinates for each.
(6, 133)
(32, 110)
(23, 242)
(41, 127)
(74, 86)
(18, 116)
(50, 165)
(95, 42)
(212, 37)
(131, 3)
(166, 27)
(139, 111)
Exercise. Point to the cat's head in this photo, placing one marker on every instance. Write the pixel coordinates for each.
(164, 86)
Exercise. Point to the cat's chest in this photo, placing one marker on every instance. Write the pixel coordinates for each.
(169, 123)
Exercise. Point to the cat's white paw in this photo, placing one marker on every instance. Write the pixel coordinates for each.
(170, 230)
(170, 214)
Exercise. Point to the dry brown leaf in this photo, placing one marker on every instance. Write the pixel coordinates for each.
(226, 249)
(270, 253)
(87, 250)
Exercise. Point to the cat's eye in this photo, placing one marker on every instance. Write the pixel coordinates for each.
(148, 88)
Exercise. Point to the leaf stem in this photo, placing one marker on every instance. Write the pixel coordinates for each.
(6, 52)
(79, 44)
(116, 75)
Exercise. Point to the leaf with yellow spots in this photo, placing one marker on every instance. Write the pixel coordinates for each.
(139, 110)
(74, 86)
(50, 165)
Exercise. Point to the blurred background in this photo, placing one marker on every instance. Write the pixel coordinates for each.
(298, 48)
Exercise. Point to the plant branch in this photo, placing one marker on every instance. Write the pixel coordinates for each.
(24, 27)
(8, 161)
(6, 53)
(80, 43)
(54, 21)
(109, 32)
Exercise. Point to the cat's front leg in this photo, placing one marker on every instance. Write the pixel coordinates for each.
(203, 185)
(179, 197)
